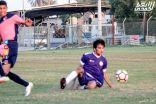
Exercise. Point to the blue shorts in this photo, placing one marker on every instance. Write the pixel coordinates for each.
(13, 52)
(86, 77)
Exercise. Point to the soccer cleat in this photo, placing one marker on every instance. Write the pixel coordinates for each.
(4, 79)
(28, 89)
(63, 83)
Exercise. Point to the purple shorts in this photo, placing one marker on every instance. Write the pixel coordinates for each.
(86, 77)
(13, 52)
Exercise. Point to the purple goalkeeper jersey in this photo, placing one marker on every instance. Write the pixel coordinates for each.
(94, 66)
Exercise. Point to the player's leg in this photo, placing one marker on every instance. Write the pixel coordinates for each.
(14, 77)
(70, 77)
(3, 78)
(87, 81)
(29, 85)
(13, 52)
(74, 74)
(73, 85)
(91, 85)
(7, 67)
(1, 70)
(3, 52)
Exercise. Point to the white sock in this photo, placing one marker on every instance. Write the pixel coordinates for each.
(82, 87)
(71, 76)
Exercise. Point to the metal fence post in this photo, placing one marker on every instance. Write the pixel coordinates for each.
(48, 35)
(147, 24)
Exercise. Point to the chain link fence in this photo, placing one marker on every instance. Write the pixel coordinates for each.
(67, 36)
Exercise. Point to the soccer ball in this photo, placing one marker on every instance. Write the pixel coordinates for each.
(121, 76)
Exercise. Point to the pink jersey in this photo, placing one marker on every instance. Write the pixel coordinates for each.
(8, 26)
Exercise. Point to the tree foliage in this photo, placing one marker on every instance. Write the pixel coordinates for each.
(37, 3)
(125, 9)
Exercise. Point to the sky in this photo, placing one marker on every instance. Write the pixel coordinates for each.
(14, 5)
(17, 5)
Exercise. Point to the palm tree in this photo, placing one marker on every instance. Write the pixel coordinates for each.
(37, 3)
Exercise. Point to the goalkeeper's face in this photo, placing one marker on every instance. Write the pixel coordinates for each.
(99, 49)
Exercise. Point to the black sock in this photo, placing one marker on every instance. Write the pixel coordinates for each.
(17, 79)
(1, 70)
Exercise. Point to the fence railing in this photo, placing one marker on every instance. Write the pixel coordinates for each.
(40, 37)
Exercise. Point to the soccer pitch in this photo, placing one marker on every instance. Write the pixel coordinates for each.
(45, 68)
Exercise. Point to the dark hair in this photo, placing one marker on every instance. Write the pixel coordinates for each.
(3, 3)
(97, 42)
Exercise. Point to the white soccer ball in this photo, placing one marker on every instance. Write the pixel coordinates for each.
(121, 76)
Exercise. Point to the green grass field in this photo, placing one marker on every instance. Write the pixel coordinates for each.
(45, 68)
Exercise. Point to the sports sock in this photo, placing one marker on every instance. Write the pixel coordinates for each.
(1, 70)
(83, 87)
(71, 76)
(17, 79)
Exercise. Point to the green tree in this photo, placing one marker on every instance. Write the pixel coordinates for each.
(123, 8)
